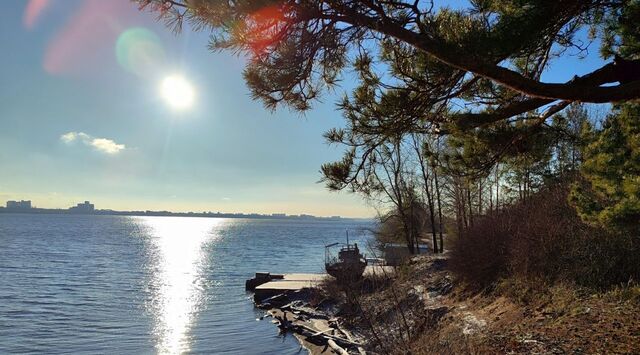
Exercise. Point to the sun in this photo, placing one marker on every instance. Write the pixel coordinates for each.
(177, 92)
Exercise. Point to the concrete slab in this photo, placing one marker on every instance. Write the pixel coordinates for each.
(303, 277)
(286, 285)
(294, 282)
(289, 282)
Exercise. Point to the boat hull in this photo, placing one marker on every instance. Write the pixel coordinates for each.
(346, 271)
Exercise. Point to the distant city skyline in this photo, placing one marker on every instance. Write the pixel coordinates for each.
(64, 206)
(86, 207)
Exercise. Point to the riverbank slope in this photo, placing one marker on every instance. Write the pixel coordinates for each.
(424, 310)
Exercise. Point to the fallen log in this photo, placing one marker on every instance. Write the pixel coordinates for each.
(336, 323)
(299, 327)
(337, 348)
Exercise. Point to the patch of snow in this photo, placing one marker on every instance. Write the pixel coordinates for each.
(472, 324)
(418, 290)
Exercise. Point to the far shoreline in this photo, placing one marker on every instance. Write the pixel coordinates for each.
(276, 216)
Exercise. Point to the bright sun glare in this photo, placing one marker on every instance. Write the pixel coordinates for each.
(177, 92)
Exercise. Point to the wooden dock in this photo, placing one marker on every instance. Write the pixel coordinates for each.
(288, 282)
(267, 285)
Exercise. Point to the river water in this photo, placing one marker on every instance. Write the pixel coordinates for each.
(123, 285)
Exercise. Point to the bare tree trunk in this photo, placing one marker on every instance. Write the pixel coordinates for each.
(490, 196)
(497, 187)
(438, 196)
(414, 231)
(407, 235)
(398, 188)
(463, 207)
(479, 196)
(428, 191)
(470, 204)
(526, 184)
(458, 204)
(520, 189)
(432, 218)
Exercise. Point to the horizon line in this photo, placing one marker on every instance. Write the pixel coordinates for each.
(164, 212)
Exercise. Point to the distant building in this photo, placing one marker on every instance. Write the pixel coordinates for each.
(85, 207)
(278, 215)
(395, 254)
(19, 205)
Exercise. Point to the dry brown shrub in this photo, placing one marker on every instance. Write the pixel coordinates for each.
(543, 240)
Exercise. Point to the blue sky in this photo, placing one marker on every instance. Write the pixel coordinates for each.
(225, 154)
(127, 148)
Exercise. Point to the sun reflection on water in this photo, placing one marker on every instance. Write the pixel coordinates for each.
(176, 276)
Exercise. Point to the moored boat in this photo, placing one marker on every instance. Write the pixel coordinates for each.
(348, 265)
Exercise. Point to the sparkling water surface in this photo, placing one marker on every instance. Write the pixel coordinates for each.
(131, 285)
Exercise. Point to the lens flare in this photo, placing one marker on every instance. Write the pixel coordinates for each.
(139, 51)
(177, 92)
(78, 48)
(33, 12)
(263, 26)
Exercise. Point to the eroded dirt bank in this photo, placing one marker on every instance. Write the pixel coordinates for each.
(425, 311)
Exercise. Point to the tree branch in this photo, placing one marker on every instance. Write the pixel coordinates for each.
(570, 91)
(472, 120)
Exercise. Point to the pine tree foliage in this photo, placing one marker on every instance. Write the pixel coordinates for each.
(490, 54)
(609, 193)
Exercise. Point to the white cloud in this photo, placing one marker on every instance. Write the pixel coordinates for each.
(69, 137)
(103, 145)
(107, 145)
